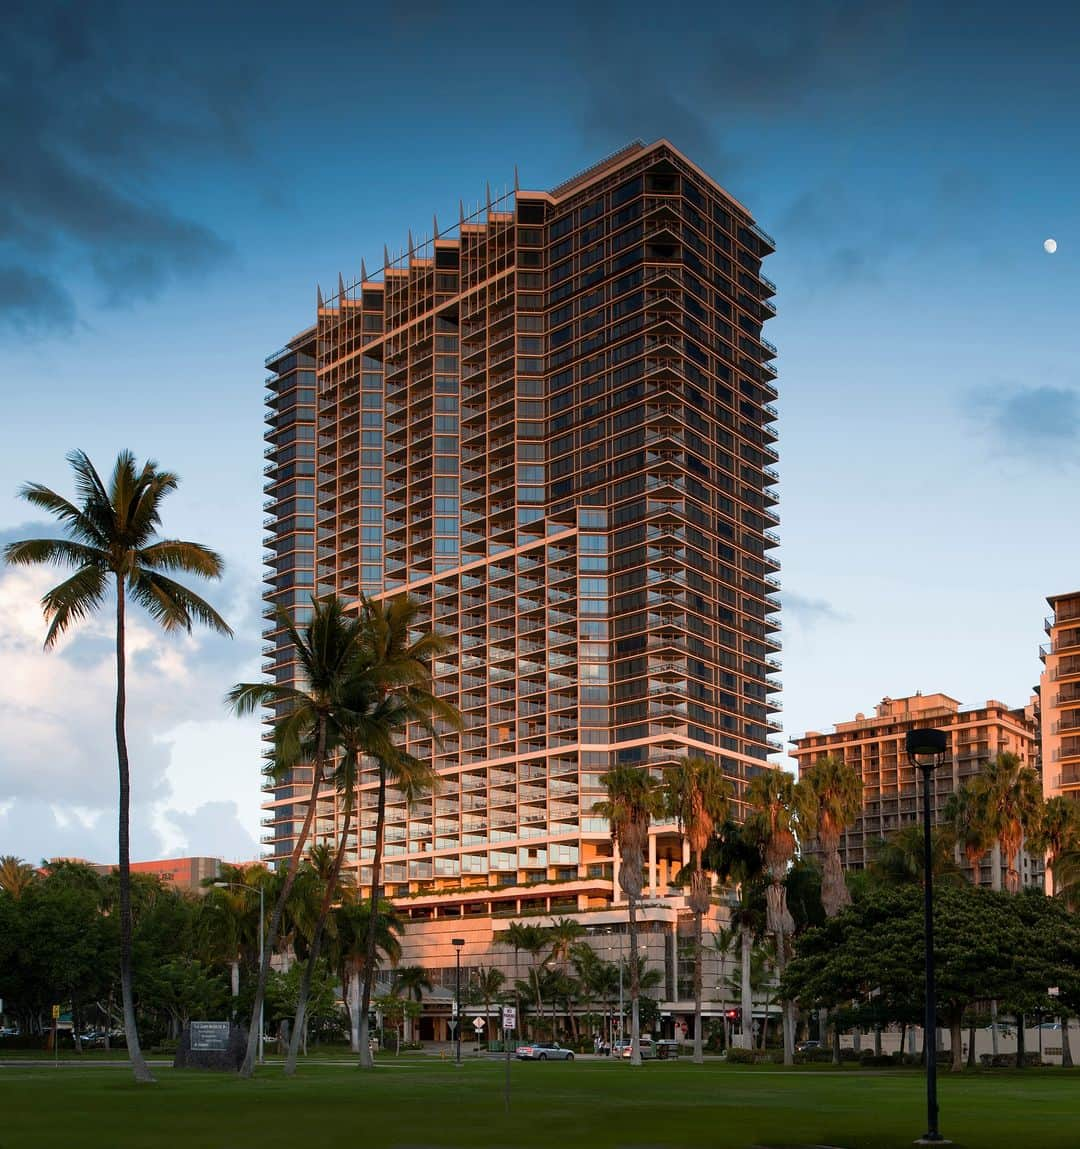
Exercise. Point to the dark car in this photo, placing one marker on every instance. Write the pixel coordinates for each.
(808, 1046)
(544, 1051)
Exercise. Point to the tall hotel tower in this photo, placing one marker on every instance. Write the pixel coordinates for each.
(553, 426)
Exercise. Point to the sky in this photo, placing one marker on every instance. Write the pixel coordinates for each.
(175, 181)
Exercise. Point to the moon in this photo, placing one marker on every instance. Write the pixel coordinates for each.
(1050, 246)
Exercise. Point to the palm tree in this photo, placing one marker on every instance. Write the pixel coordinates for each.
(634, 799)
(780, 809)
(15, 876)
(697, 796)
(965, 813)
(227, 919)
(327, 651)
(724, 940)
(835, 792)
(489, 982)
(415, 982)
(1012, 798)
(112, 547)
(399, 668)
(1058, 835)
(347, 949)
(564, 934)
(899, 859)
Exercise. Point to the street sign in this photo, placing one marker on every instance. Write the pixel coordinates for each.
(509, 1017)
(478, 1024)
(453, 1009)
(55, 1013)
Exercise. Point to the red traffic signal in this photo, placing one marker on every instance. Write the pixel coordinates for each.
(733, 1015)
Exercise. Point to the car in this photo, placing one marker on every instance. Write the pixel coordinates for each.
(544, 1051)
(808, 1046)
(648, 1048)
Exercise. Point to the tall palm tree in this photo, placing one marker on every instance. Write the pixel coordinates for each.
(15, 876)
(724, 941)
(226, 920)
(835, 792)
(514, 936)
(398, 663)
(697, 796)
(347, 949)
(327, 651)
(781, 808)
(489, 983)
(965, 813)
(1058, 835)
(1012, 798)
(634, 799)
(112, 547)
(414, 981)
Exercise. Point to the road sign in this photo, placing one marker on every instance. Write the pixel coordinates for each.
(1054, 991)
(56, 1013)
(478, 1024)
(509, 1017)
(453, 1009)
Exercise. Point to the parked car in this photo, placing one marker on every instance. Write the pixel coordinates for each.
(648, 1048)
(544, 1051)
(808, 1046)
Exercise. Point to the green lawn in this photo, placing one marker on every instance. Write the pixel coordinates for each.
(599, 1105)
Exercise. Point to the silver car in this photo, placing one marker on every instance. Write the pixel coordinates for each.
(544, 1051)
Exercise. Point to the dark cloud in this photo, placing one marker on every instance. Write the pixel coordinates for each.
(809, 612)
(1038, 423)
(101, 107)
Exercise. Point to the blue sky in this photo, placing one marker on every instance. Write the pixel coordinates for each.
(173, 185)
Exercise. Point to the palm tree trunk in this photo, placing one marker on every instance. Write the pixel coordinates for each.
(698, 1058)
(234, 982)
(354, 1011)
(316, 945)
(127, 989)
(635, 986)
(366, 1061)
(956, 1041)
(972, 1032)
(747, 939)
(248, 1067)
(1020, 1035)
(787, 1008)
(1066, 1051)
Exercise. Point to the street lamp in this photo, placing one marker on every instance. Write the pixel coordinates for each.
(926, 750)
(262, 935)
(457, 944)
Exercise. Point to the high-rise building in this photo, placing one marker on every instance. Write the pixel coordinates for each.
(892, 787)
(553, 426)
(1059, 698)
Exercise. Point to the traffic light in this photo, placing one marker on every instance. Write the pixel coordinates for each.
(734, 1015)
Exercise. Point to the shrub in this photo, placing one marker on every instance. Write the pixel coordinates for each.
(738, 1056)
(878, 1061)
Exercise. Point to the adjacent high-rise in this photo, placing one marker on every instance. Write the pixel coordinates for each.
(552, 425)
(1059, 697)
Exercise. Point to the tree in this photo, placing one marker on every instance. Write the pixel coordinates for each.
(112, 548)
(327, 653)
(398, 665)
(227, 920)
(489, 983)
(534, 940)
(1058, 834)
(415, 981)
(697, 796)
(15, 875)
(965, 814)
(835, 797)
(724, 941)
(634, 799)
(348, 949)
(779, 808)
(899, 859)
(1011, 797)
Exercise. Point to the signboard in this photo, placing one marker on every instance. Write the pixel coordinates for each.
(210, 1036)
(478, 1024)
(55, 1013)
(509, 1017)
(453, 1009)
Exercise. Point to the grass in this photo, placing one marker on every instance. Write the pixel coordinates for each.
(419, 1101)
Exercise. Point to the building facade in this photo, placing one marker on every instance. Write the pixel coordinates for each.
(553, 426)
(892, 796)
(1059, 698)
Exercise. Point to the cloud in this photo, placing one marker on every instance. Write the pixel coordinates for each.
(808, 613)
(57, 750)
(100, 110)
(1040, 424)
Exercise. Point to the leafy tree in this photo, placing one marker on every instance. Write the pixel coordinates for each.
(633, 799)
(697, 796)
(835, 797)
(112, 548)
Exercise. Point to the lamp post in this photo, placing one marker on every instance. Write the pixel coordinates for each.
(458, 943)
(262, 936)
(926, 750)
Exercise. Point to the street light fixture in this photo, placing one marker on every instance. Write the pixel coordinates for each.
(262, 935)
(457, 944)
(926, 750)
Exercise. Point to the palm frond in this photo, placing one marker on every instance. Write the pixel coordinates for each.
(88, 484)
(62, 552)
(178, 555)
(246, 697)
(144, 510)
(73, 518)
(172, 605)
(72, 600)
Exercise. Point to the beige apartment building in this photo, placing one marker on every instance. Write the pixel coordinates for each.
(553, 425)
(1059, 698)
(875, 747)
